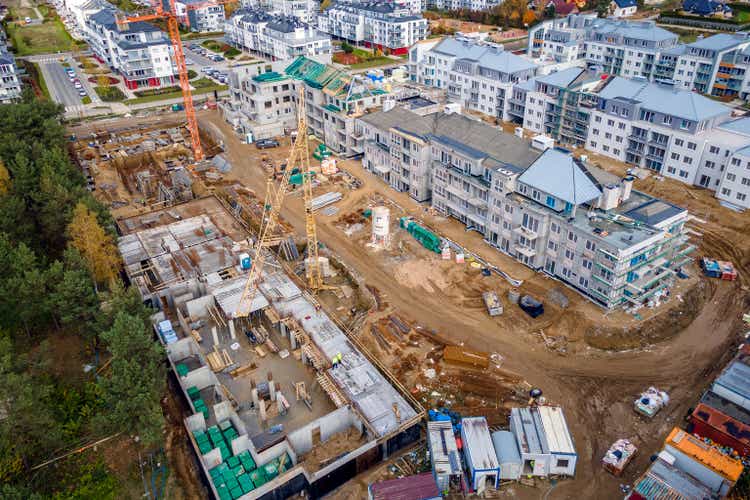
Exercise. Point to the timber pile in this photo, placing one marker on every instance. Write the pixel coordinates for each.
(331, 389)
(243, 370)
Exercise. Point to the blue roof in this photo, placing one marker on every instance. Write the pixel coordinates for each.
(665, 482)
(720, 41)
(626, 3)
(561, 78)
(736, 378)
(664, 99)
(559, 174)
(740, 125)
(506, 447)
(488, 56)
(640, 30)
(704, 7)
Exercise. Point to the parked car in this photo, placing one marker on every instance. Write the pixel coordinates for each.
(82, 93)
(267, 143)
(217, 58)
(27, 20)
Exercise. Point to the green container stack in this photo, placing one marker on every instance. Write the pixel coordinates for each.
(234, 477)
(182, 369)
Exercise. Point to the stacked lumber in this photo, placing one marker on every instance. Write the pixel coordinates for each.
(243, 370)
(331, 389)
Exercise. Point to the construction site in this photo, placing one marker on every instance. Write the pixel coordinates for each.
(323, 390)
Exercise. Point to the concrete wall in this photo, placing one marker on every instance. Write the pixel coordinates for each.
(337, 421)
(198, 308)
(563, 470)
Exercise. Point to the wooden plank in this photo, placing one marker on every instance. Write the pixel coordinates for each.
(260, 352)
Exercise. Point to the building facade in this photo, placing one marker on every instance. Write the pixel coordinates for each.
(10, 83)
(388, 27)
(548, 210)
(199, 16)
(139, 51)
(616, 47)
(473, 5)
(478, 75)
(275, 37)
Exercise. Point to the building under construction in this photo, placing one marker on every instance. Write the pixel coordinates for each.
(283, 400)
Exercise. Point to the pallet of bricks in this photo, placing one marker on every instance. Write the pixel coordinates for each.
(236, 475)
(198, 403)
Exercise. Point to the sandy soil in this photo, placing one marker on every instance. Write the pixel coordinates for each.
(596, 386)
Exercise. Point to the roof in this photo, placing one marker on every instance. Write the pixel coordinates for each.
(720, 41)
(488, 56)
(664, 99)
(556, 430)
(478, 448)
(106, 18)
(443, 448)
(562, 7)
(506, 448)
(722, 423)
(559, 174)
(736, 379)
(666, 482)
(419, 487)
(654, 212)
(705, 454)
(739, 126)
(561, 78)
(319, 75)
(528, 430)
(640, 30)
(470, 136)
(726, 407)
(624, 4)
(704, 7)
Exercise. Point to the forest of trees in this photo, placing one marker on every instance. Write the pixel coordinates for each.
(59, 281)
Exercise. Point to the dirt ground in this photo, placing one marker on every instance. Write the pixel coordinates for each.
(593, 364)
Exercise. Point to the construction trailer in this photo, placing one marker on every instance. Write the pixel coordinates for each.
(734, 382)
(722, 421)
(508, 455)
(544, 441)
(665, 481)
(479, 453)
(706, 463)
(446, 462)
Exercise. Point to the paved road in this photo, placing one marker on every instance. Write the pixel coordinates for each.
(60, 88)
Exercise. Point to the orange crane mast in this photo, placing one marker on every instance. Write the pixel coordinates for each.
(173, 28)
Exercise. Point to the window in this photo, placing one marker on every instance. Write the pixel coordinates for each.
(616, 151)
(569, 254)
(713, 149)
(736, 162)
(683, 174)
(562, 463)
(605, 148)
(611, 123)
(675, 156)
(710, 164)
(745, 181)
(621, 126)
(679, 142)
(572, 236)
(671, 170)
(586, 263)
(607, 135)
(667, 120)
(741, 196)
(551, 201)
(685, 124)
(596, 131)
(554, 228)
(585, 284)
(692, 146)
(618, 139)
(598, 119)
(593, 144)
(726, 192)
(731, 177)
(687, 160)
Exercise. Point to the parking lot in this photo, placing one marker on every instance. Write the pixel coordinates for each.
(205, 64)
(61, 87)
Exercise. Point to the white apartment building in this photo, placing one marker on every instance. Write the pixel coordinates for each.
(479, 75)
(10, 84)
(388, 27)
(473, 5)
(275, 37)
(304, 10)
(546, 209)
(139, 51)
(616, 47)
(75, 12)
(682, 135)
(198, 15)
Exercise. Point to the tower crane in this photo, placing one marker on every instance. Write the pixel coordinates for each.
(298, 156)
(173, 29)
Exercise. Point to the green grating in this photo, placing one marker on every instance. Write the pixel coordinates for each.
(233, 462)
(182, 369)
(238, 471)
(236, 492)
(258, 478)
(232, 483)
(247, 461)
(223, 492)
(270, 470)
(193, 392)
(204, 448)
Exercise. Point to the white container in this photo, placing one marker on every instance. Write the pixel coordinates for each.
(381, 226)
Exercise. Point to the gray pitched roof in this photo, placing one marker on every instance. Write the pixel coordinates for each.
(557, 173)
(561, 78)
(664, 99)
(720, 41)
(469, 136)
(488, 56)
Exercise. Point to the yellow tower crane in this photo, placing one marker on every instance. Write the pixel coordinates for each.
(275, 194)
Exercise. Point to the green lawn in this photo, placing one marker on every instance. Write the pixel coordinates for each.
(174, 95)
(192, 34)
(374, 62)
(36, 74)
(110, 94)
(742, 16)
(21, 13)
(47, 38)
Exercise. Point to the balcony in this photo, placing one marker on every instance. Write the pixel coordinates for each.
(526, 232)
(528, 252)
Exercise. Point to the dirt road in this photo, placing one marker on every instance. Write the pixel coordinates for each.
(595, 387)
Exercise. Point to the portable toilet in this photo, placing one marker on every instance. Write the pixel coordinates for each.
(245, 261)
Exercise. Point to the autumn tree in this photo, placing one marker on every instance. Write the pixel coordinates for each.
(4, 179)
(94, 244)
(529, 18)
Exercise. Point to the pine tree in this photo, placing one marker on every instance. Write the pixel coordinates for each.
(137, 381)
